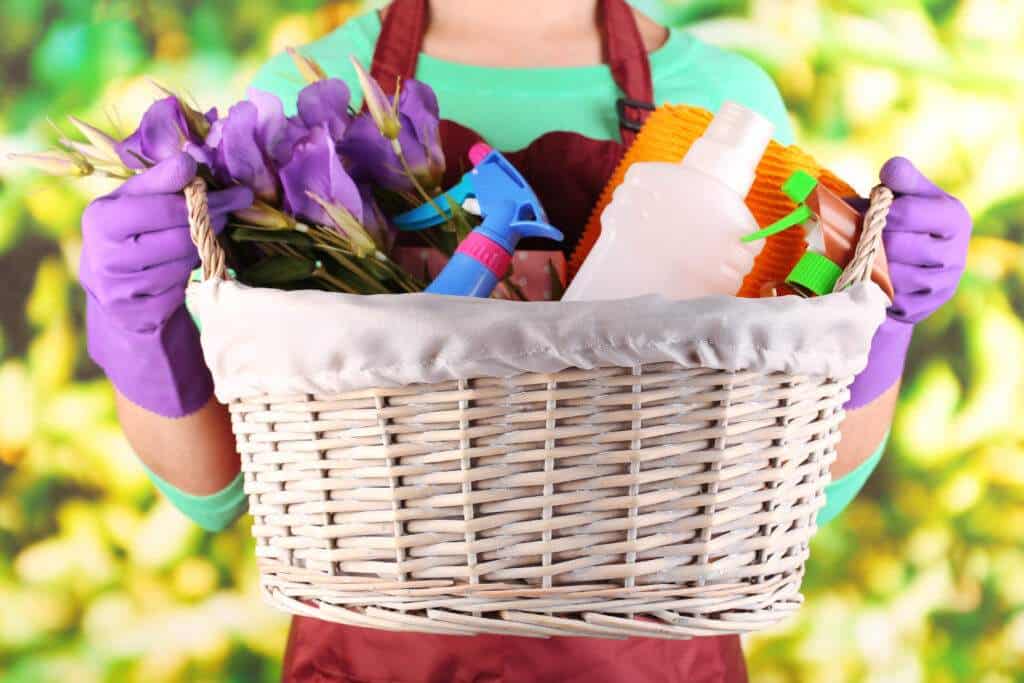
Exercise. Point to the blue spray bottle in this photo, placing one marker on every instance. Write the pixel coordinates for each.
(495, 190)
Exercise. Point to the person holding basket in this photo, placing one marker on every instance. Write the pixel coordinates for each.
(567, 85)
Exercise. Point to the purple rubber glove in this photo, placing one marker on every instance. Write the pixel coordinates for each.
(136, 260)
(926, 243)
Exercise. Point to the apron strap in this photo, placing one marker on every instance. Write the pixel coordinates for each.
(626, 56)
(399, 43)
(405, 22)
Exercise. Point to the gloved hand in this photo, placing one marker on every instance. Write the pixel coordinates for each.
(925, 240)
(136, 259)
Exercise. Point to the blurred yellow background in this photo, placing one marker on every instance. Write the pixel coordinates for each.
(922, 579)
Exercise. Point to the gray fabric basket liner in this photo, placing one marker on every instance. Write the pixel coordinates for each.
(266, 341)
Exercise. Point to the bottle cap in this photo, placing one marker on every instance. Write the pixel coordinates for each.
(815, 273)
(744, 130)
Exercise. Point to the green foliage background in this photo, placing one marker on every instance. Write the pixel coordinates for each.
(921, 579)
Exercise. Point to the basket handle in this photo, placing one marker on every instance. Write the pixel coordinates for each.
(211, 254)
(860, 267)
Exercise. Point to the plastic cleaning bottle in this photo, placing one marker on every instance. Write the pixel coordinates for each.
(674, 228)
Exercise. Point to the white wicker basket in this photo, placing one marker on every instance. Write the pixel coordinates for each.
(646, 499)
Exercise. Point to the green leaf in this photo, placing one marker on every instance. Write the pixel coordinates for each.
(276, 270)
(339, 272)
(241, 234)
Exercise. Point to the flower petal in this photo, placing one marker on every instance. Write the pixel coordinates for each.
(418, 101)
(370, 157)
(326, 103)
(162, 133)
(163, 130)
(276, 133)
(316, 168)
(420, 116)
(242, 155)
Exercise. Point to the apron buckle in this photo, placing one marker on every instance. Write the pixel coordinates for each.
(623, 105)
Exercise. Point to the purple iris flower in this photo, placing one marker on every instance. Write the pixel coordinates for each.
(325, 103)
(162, 133)
(371, 156)
(315, 167)
(276, 133)
(239, 154)
(421, 121)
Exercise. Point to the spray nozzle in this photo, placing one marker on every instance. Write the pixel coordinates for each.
(510, 209)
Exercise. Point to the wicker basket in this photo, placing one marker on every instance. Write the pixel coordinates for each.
(653, 500)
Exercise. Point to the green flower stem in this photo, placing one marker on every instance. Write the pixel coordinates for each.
(341, 250)
(372, 284)
(407, 170)
(342, 246)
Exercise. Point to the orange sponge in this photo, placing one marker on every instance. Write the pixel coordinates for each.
(667, 136)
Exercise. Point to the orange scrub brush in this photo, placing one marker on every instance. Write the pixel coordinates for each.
(667, 136)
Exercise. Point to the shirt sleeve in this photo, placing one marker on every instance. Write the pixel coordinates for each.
(760, 93)
(214, 512)
(709, 76)
(842, 491)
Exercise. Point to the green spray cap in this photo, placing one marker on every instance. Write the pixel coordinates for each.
(815, 273)
(798, 188)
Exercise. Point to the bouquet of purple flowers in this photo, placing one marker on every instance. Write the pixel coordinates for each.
(325, 180)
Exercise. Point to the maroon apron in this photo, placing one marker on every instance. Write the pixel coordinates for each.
(568, 171)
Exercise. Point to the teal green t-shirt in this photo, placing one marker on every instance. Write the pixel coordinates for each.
(510, 107)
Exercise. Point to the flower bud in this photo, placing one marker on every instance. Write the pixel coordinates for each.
(349, 226)
(196, 120)
(383, 112)
(308, 68)
(104, 145)
(55, 163)
(262, 215)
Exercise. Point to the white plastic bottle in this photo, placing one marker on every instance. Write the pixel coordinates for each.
(675, 229)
